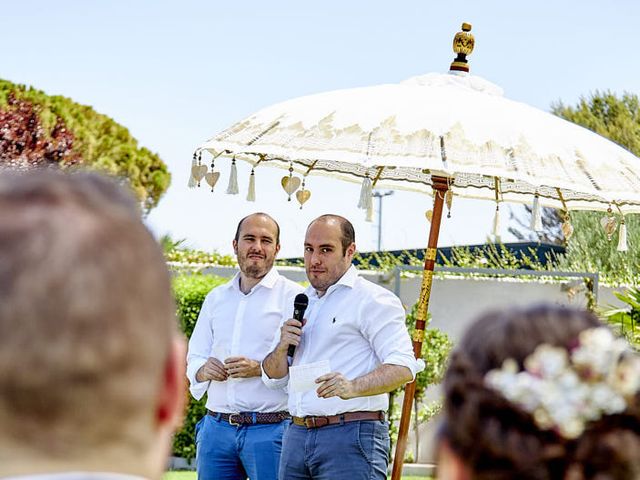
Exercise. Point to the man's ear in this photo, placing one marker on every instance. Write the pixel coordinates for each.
(450, 466)
(277, 248)
(234, 244)
(172, 393)
(351, 250)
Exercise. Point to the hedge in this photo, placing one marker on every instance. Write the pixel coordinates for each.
(189, 292)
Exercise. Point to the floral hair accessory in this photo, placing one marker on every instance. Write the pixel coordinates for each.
(565, 389)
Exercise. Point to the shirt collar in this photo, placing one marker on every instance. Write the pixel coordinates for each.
(268, 281)
(348, 279)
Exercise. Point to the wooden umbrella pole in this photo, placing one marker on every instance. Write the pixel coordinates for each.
(440, 187)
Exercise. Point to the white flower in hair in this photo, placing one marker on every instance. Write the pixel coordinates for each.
(564, 390)
(547, 361)
(625, 378)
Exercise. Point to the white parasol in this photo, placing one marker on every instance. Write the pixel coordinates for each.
(452, 134)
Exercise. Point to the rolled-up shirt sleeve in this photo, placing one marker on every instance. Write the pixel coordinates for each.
(274, 383)
(199, 349)
(384, 325)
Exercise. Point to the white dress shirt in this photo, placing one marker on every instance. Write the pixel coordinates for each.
(357, 326)
(234, 324)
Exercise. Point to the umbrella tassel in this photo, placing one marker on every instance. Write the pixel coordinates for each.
(369, 217)
(496, 224)
(622, 237)
(536, 215)
(192, 180)
(251, 193)
(232, 188)
(365, 194)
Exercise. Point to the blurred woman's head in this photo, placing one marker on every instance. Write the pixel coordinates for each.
(541, 393)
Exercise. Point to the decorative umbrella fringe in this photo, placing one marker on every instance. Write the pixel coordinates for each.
(232, 188)
(366, 199)
(251, 192)
(192, 180)
(622, 237)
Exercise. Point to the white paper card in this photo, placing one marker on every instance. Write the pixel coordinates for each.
(302, 378)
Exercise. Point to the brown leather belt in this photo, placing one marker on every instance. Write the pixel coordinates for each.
(323, 421)
(249, 418)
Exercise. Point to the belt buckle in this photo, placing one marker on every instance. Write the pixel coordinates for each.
(231, 422)
(316, 422)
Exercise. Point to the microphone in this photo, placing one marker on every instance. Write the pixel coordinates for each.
(299, 306)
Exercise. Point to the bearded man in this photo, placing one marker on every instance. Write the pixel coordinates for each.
(241, 435)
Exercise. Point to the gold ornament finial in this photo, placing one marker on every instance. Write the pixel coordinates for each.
(463, 44)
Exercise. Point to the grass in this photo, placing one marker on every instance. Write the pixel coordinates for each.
(187, 475)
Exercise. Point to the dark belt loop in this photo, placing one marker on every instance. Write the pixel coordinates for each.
(254, 417)
(342, 419)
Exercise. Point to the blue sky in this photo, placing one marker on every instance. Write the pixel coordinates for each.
(176, 73)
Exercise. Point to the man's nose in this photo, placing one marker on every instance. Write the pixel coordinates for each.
(315, 259)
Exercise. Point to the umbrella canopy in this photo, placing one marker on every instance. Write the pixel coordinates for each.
(452, 125)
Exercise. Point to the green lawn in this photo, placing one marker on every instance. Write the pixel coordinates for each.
(192, 476)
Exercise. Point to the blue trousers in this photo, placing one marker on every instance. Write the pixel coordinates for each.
(350, 451)
(228, 452)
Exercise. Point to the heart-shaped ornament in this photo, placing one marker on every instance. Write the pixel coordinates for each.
(212, 178)
(429, 215)
(609, 224)
(290, 184)
(567, 230)
(198, 172)
(303, 196)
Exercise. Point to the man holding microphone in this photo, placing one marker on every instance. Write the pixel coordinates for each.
(355, 338)
(241, 435)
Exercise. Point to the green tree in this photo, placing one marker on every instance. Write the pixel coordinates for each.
(617, 119)
(40, 130)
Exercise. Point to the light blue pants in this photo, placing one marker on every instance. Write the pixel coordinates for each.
(227, 452)
(350, 451)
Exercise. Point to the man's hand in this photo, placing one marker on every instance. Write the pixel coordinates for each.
(335, 384)
(290, 334)
(213, 369)
(242, 367)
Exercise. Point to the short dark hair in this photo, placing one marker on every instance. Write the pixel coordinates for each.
(348, 233)
(265, 215)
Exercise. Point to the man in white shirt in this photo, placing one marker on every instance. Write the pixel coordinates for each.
(241, 435)
(91, 359)
(339, 429)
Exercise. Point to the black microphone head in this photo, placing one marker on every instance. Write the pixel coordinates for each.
(301, 301)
